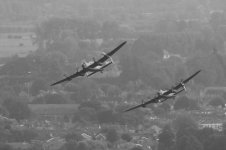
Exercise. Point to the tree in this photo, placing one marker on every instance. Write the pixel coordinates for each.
(205, 136)
(50, 98)
(185, 103)
(110, 90)
(23, 135)
(137, 68)
(110, 29)
(3, 111)
(111, 135)
(73, 137)
(161, 26)
(88, 89)
(88, 29)
(16, 109)
(217, 101)
(69, 145)
(188, 142)
(17, 66)
(49, 31)
(184, 124)
(166, 138)
(55, 99)
(217, 142)
(224, 128)
(126, 137)
(211, 66)
(82, 145)
(91, 104)
(106, 116)
(158, 111)
(165, 106)
(37, 86)
(137, 148)
(51, 65)
(28, 135)
(96, 145)
(217, 18)
(5, 147)
(133, 118)
(85, 115)
(6, 135)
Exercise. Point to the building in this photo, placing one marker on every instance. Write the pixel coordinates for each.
(215, 126)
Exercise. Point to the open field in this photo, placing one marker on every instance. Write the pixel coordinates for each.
(11, 44)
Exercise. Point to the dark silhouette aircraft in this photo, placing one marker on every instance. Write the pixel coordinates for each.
(163, 95)
(93, 66)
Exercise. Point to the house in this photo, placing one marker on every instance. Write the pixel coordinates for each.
(215, 126)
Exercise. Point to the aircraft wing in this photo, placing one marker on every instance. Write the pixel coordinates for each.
(135, 107)
(153, 100)
(186, 80)
(77, 74)
(63, 80)
(178, 86)
(106, 57)
(100, 68)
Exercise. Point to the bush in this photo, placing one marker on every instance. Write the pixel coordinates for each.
(73, 137)
(16, 109)
(137, 148)
(126, 137)
(185, 103)
(111, 134)
(217, 101)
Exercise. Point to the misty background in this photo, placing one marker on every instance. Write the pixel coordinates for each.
(167, 40)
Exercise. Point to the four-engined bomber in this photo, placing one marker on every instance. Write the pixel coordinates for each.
(93, 66)
(163, 95)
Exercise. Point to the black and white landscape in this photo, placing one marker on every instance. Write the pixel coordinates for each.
(113, 74)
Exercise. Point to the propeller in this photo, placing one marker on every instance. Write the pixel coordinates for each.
(83, 65)
(179, 82)
(182, 84)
